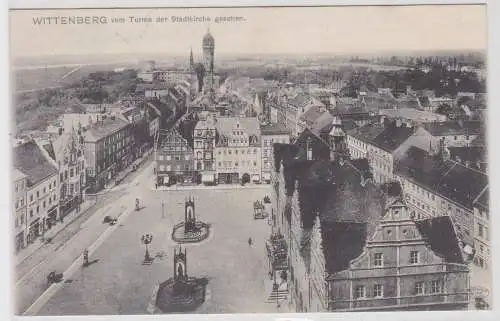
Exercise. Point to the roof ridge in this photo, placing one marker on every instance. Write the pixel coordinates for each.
(480, 193)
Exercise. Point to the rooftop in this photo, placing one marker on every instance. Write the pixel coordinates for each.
(387, 137)
(444, 178)
(273, 129)
(226, 125)
(413, 114)
(104, 128)
(31, 161)
(451, 128)
(441, 237)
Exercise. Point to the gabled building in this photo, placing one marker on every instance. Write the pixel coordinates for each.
(238, 148)
(67, 152)
(435, 186)
(41, 179)
(405, 265)
(204, 140)
(173, 159)
(271, 134)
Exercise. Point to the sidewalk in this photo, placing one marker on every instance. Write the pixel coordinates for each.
(39, 242)
(216, 187)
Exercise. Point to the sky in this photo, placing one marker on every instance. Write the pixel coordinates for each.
(305, 30)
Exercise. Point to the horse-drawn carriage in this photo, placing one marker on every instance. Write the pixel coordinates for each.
(259, 210)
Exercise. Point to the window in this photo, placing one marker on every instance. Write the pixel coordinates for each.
(435, 286)
(169, 168)
(455, 138)
(219, 164)
(379, 259)
(44, 204)
(31, 213)
(360, 292)
(37, 193)
(38, 209)
(414, 257)
(378, 290)
(419, 288)
(480, 230)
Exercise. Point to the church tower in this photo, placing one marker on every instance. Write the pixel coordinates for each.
(208, 52)
(338, 144)
(191, 60)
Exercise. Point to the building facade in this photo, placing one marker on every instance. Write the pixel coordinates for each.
(434, 186)
(174, 159)
(271, 134)
(384, 144)
(204, 140)
(405, 265)
(107, 150)
(19, 190)
(238, 150)
(42, 203)
(66, 151)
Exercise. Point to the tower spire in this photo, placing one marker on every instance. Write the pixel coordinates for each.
(191, 59)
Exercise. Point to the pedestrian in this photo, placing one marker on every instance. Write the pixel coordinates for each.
(249, 241)
(156, 185)
(85, 257)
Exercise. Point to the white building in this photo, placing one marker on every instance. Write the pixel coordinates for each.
(41, 190)
(19, 189)
(238, 150)
(271, 134)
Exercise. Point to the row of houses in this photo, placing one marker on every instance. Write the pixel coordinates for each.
(357, 244)
(226, 150)
(82, 154)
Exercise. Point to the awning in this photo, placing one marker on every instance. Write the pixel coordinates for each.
(256, 177)
(207, 178)
(266, 176)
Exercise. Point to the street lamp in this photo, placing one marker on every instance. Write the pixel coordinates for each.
(146, 239)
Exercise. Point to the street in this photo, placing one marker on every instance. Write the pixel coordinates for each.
(120, 284)
(66, 246)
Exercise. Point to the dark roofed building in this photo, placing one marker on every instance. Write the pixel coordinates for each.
(456, 133)
(332, 214)
(471, 156)
(31, 161)
(42, 197)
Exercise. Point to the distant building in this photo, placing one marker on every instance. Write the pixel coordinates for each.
(414, 116)
(41, 177)
(383, 144)
(271, 134)
(107, 150)
(455, 133)
(174, 159)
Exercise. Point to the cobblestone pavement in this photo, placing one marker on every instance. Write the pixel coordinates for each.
(119, 284)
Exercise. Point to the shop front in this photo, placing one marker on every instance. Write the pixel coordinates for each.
(208, 178)
(266, 177)
(51, 217)
(34, 231)
(19, 241)
(255, 178)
